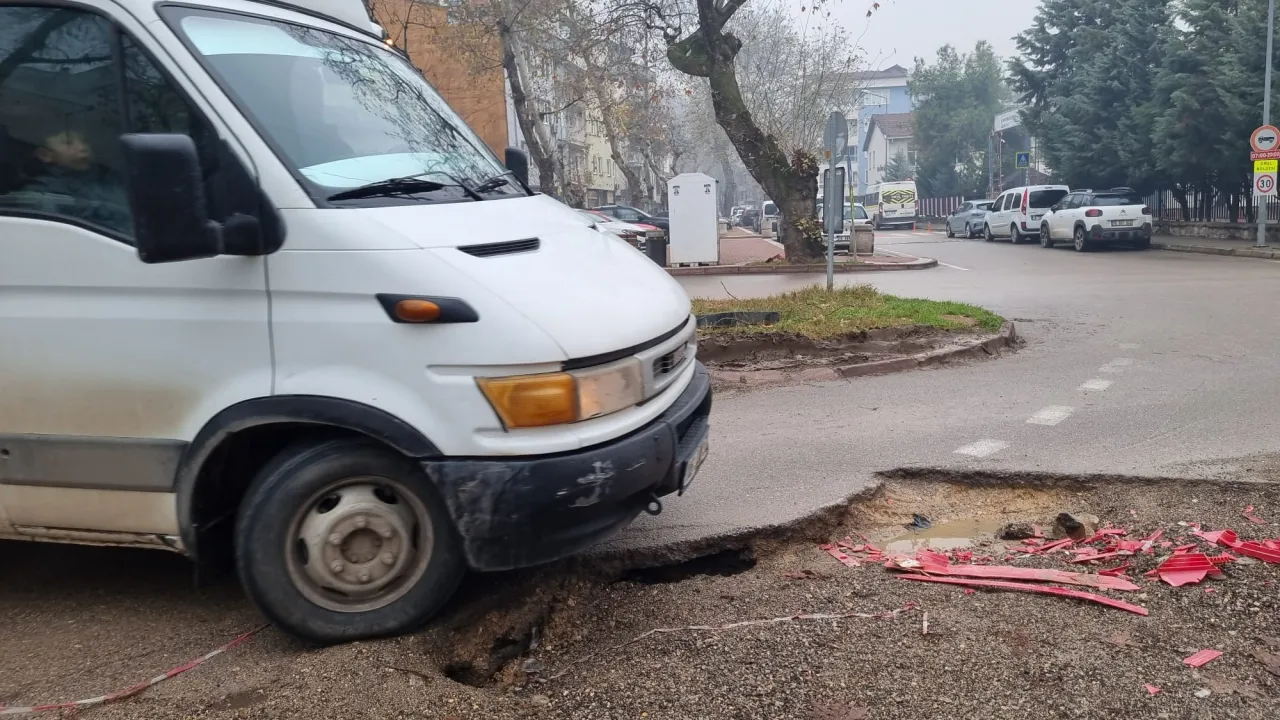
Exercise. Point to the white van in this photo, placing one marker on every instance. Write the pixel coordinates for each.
(267, 301)
(892, 204)
(1016, 213)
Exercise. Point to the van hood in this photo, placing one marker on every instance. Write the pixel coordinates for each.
(590, 291)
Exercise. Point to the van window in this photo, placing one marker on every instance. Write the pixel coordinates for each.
(770, 209)
(1046, 198)
(340, 112)
(61, 116)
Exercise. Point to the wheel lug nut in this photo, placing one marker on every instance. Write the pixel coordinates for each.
(362, 523)
(388, 558)
(364, 577)
(336, 567)
(335, 539)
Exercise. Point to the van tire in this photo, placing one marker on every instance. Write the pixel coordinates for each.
(1015, 237)
(987, 235)
(385, 503)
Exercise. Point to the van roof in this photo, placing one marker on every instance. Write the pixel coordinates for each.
(1020, 188)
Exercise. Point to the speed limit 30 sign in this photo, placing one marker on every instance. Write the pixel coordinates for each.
(1264, 183)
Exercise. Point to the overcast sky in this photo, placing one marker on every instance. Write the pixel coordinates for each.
(904, 29)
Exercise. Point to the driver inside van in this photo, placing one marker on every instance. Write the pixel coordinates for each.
(67, 181)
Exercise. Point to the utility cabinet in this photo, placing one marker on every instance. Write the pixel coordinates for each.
(692, 208)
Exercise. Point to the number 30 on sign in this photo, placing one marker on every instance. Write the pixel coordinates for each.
(1264, 184)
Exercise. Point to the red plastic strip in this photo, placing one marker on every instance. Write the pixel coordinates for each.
(1248, 514)
(1202, 657)
(835, 552)
(1024, 587)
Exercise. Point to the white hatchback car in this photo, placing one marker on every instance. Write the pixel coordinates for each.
(1089, 218)
(1017, 212)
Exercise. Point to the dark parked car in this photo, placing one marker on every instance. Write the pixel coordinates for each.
(635, 215)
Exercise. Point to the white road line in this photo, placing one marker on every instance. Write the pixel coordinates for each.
(982, 448)
(1096, 384)
(1051, 415)
(1128, 346)
(953, 267)
(1116, 366)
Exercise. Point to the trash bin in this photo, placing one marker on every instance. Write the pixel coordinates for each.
(656, 249)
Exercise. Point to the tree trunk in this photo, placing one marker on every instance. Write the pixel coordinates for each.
(792, 183)
(542, 149)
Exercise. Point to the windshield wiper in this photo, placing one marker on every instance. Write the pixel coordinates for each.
(494, 182)
(392, 186)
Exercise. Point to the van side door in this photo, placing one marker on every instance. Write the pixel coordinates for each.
(109, 366)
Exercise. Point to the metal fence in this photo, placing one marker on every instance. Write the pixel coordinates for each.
(1164, 206)
(937, 207)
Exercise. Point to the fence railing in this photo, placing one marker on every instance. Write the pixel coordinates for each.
(1164, 206)
(937, 206)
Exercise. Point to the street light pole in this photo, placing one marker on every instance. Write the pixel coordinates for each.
(1266, 116)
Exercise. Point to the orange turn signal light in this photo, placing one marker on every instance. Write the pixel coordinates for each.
(416, 311)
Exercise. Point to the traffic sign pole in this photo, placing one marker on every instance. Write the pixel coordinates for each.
(1266, 115)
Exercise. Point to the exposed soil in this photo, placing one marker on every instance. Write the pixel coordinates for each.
(787, 355)
(562, 642)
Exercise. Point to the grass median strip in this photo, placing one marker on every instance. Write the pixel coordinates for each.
(814, 312)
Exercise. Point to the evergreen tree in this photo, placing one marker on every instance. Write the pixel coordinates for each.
(956, 98)
(898, 168)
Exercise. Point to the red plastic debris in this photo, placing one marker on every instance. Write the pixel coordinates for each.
(1025, 587)
(1151, 689)
(835, 552)
(1100, 556)
(1248, 514)
(1202, 657)
(1115, 571)
(935, 564)
(1257, 551)
(1210, 590)
(1184, 549)
(1056, 545)
(1104, 533)
(1217, 537)
(1165, 543)
(1187, 568)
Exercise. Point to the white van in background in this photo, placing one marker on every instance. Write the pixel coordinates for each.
(891, 204)
(267, 301)
(1017, 212)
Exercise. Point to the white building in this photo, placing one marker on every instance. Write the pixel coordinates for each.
(887, 135)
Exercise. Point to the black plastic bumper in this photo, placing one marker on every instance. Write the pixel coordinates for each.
(1139, 233)
(517, 512)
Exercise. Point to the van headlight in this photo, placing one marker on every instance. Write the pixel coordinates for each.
(524, 401)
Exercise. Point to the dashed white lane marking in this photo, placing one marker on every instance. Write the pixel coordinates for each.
(1051, 415)
(982, 448)
(1116, 366)
(953, 267)
(1096, 384)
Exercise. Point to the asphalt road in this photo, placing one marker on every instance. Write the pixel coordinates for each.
(1142, 363)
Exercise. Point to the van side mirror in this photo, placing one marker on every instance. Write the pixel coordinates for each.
(517, 162)
(166, 194)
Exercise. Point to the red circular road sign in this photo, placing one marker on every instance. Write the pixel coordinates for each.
(1265, 183)
(1265, 138)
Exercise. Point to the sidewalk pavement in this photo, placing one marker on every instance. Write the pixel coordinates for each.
(742, 247)
(1215, 246)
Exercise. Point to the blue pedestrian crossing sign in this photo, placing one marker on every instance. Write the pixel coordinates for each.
(1024, 160)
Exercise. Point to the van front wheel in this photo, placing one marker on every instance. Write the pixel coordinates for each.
(344, 540)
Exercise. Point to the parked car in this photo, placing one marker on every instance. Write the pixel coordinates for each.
(1017, 212)
(635, 215)
(735, 215)
(635, 235)
(767, 218)
(749, 217)
(854, 217)
(968, 219)
(1088, 218)
(347, 375)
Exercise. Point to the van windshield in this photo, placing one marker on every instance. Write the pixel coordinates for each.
(342, 113)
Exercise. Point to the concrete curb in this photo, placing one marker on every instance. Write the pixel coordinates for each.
(1261, 253)
(990, 345)
(917, 264)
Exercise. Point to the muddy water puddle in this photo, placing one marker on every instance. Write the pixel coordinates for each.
(953, 535)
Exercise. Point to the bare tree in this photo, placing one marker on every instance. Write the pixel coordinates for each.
(787, 169)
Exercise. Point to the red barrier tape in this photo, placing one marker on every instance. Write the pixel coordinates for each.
(134, 689)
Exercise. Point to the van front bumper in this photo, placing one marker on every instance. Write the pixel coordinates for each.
(522, 511)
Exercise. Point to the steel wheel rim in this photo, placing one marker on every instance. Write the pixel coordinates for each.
(359, 544)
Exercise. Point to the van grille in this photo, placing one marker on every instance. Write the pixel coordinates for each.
(502, 248)
(669, 362)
